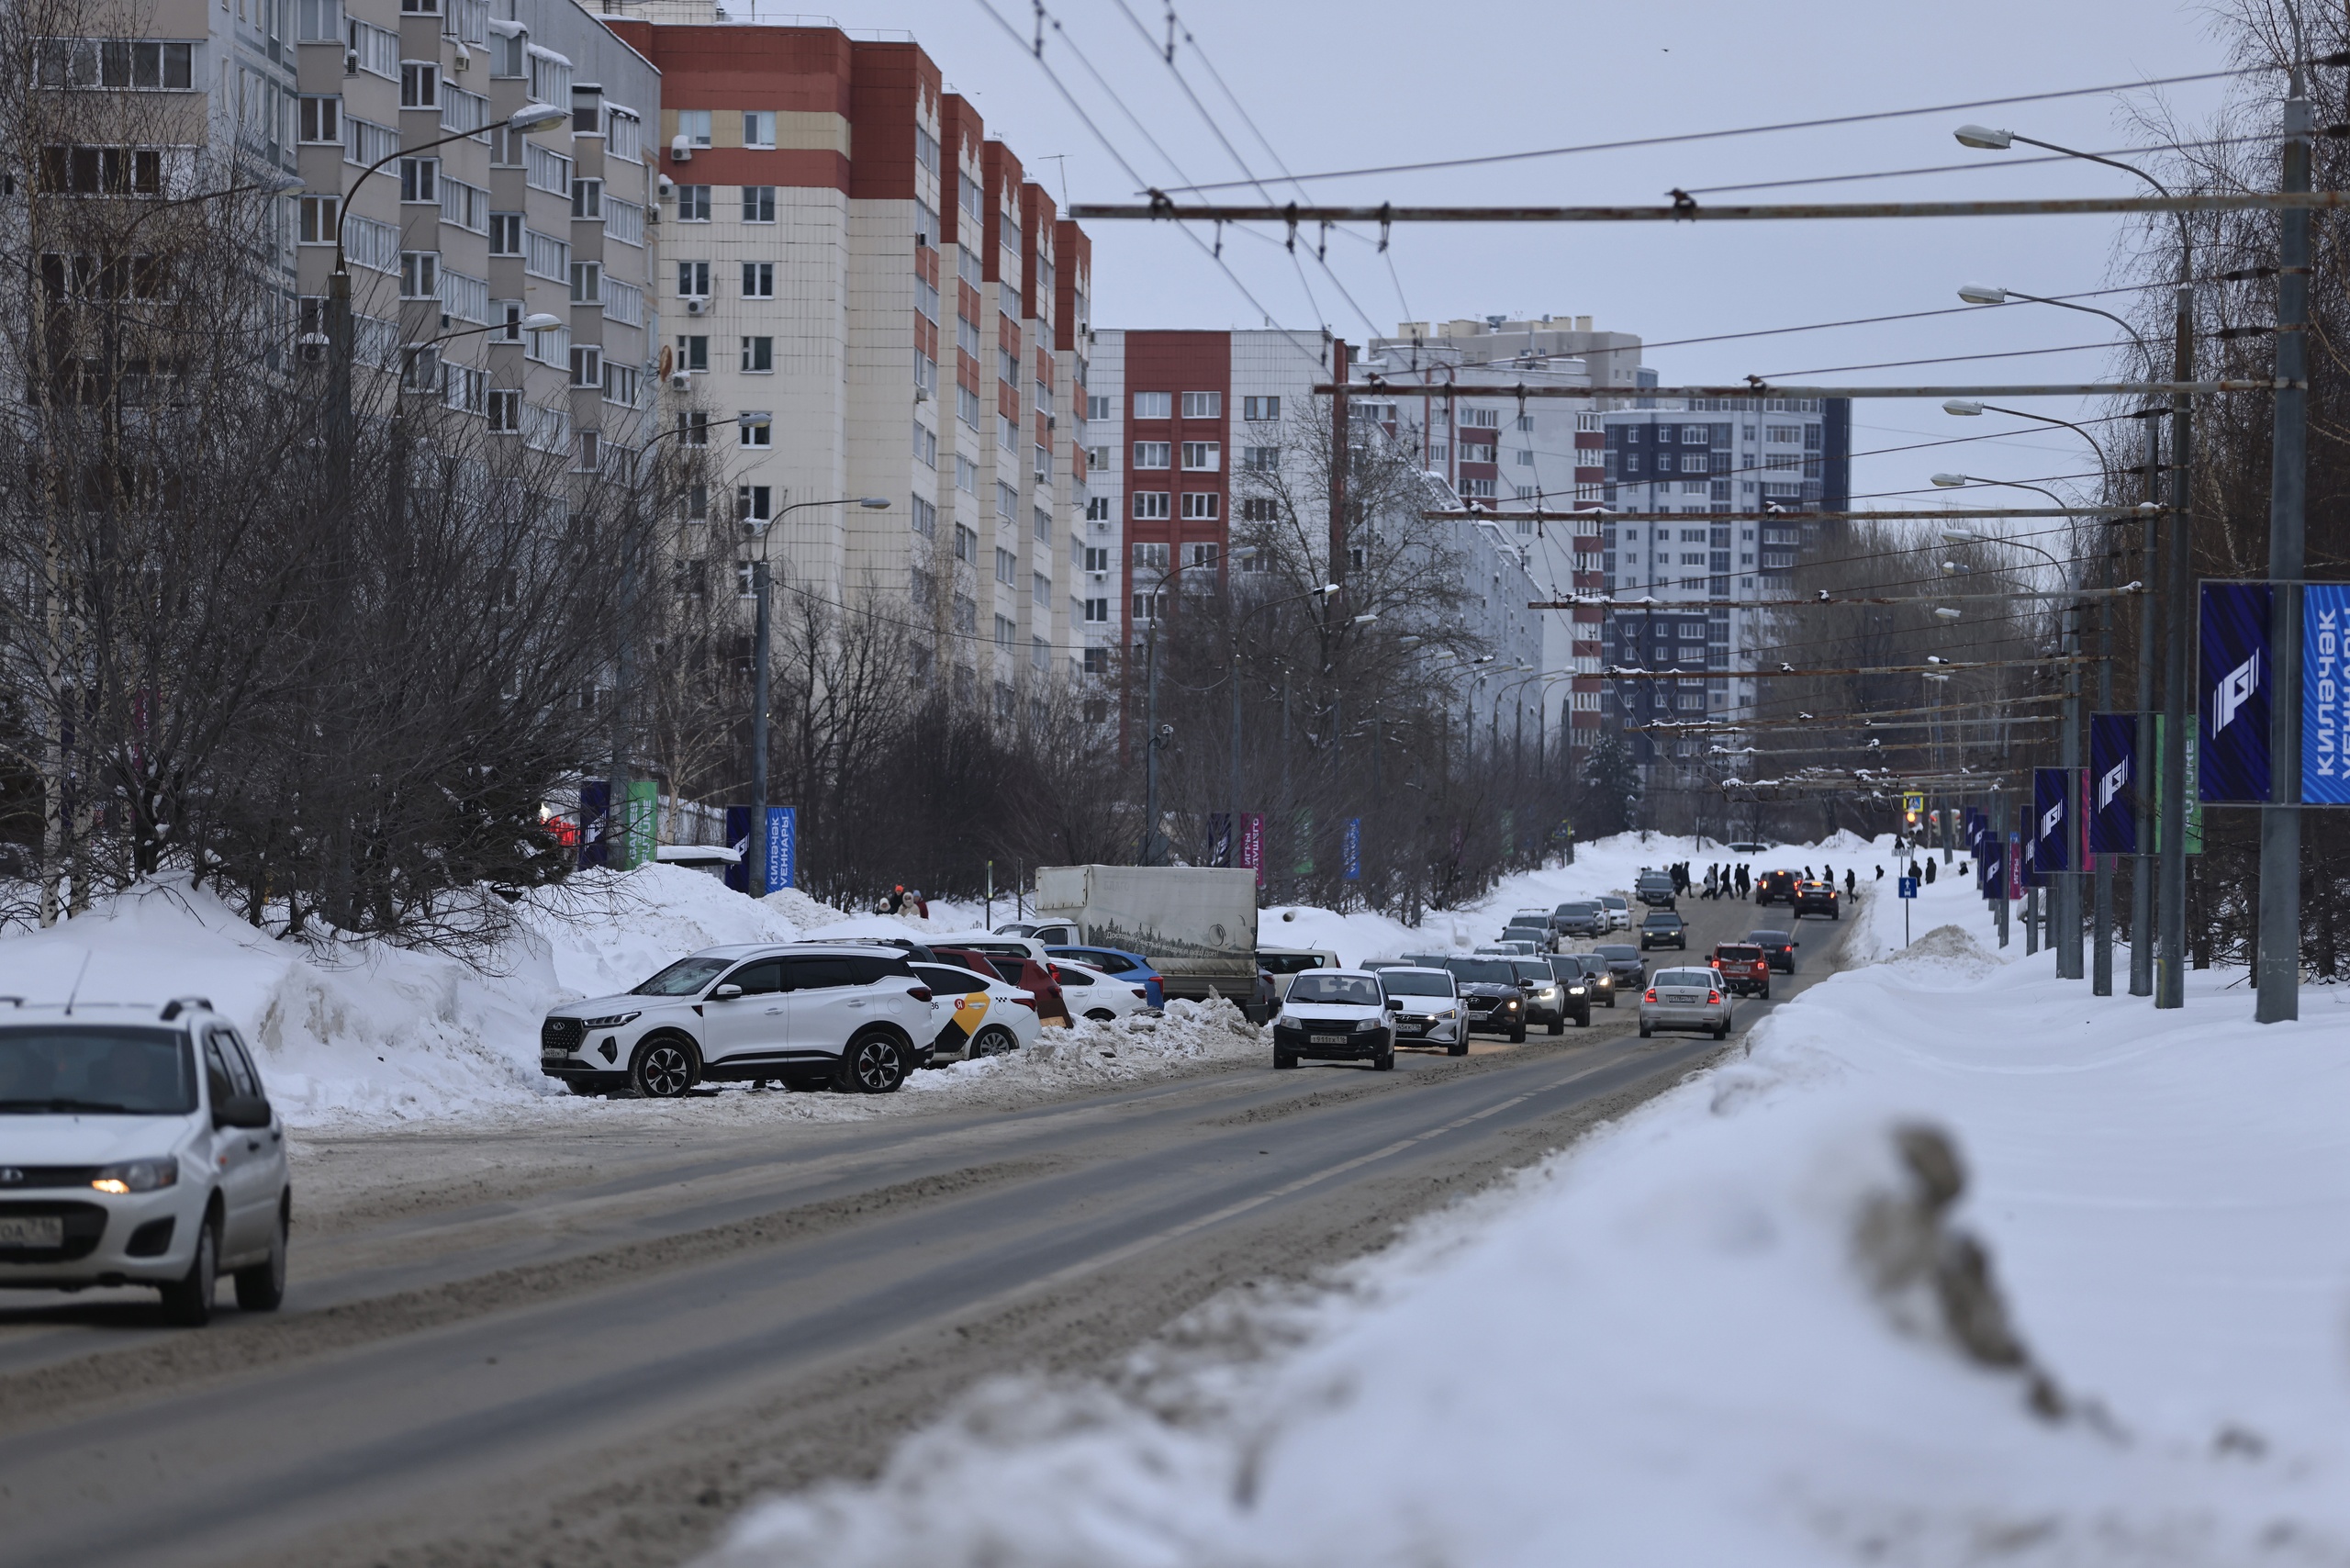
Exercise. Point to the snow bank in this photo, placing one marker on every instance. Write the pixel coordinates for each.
(1724, 1331)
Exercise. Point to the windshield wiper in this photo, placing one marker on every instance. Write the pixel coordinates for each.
(63, 1105)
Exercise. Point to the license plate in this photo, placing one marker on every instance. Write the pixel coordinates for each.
(1329, 1039)
(34, 1231)
(553, 1053)
(1682, 998)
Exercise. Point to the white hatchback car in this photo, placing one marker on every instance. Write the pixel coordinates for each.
(138, 1147)
(1335, 1016)
(978, 1015)
(1092, 993)
(806, 1013)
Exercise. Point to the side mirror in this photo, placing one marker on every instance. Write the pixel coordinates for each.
(726, 994)
(240, 1111)
(1394, 1004)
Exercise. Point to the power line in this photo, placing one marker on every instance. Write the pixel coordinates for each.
(1685, 136)
(1941, 359)
(1978, 165)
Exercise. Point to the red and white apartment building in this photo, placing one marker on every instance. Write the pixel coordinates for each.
(864, 295)
(1171, 415)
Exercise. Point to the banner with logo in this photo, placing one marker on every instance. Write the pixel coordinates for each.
(1252, 844)
(1351, 851)
(2053, 793)
(2238, 682)
(2113, 784)
(738, 839)
(1220, 845)
(783, 848)
(2325, 694)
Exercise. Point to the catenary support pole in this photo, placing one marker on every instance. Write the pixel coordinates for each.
(2101, 912)
(2280, 825)
(2178, 623)
(1149, 856)
(1339, 466)
(2061, 901)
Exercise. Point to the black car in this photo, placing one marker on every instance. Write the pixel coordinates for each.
(1662, 926)
(1491, 998)
(1588, 970)
(1549, 998)
(1818, 898)
(1777, 887)
(1778, 946)
(1627, 963)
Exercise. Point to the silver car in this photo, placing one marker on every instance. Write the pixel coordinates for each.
(1685, 999)
(1427, 1008)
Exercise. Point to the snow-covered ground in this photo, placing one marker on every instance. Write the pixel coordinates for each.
(1744, 1327)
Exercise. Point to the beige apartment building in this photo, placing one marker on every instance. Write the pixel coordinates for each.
(864, 295)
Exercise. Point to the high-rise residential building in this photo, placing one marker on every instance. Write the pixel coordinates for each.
(865, 297)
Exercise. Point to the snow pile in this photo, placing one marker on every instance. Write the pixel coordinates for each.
(1191, 1035)
(1959, 1264)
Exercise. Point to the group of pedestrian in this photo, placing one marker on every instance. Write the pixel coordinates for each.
(902, 901)
(1724, 880)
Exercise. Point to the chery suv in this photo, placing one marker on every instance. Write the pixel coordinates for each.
(138, 1147)
(805, 1014)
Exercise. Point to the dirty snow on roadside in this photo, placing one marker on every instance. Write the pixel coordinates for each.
(1957, 1264)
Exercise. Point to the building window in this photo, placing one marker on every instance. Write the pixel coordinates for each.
(506, 410)
(693, 428)
(1202, 456)
(693, 279)
(693, 203)
(1153, 405)
(1040, 588)
(758, 129)
(758, 356)
(1153, 453)
(693, 352)
(1007, 566)
(420, 275)
(758, 204)
(1261, 408)
(1097, 557)
(967, 475)
(1150, 505)
(586, 365)
(1203, 405)
(1200, 506)
(586, 282)
(419, 84)
(754, 429)
(694, 126)
(1097, 613)
(420, 179)
(1150, 557)
(1202, 554)
(753, 503)
(1097, 508)
(504, 233)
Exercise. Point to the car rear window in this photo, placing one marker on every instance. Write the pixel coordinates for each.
(1288, 963)
(821, 974)
(1768, 938)
(1743, 955)
(1700, 979)
(956, 981)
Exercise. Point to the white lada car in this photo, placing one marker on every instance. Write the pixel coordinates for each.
(138, 1147)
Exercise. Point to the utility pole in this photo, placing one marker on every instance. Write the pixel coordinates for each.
(2279, 962)
(2101, 959)
(1150, 744)
(2067, 900)
(2141, 867)
(758, 880)
(1339, 466)
(2170, 958)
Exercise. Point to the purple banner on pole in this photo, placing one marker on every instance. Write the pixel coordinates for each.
(2325, 694)
(2052, 820)
(2238, 684)
(2113, 783)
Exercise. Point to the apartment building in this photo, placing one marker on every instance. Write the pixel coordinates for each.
(868, 298)
(1175, 421)
(1697, 460)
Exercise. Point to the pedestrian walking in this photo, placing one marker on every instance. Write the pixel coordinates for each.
(1852, 883)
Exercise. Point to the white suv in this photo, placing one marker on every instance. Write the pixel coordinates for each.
(807, 1013)
(138, 1147)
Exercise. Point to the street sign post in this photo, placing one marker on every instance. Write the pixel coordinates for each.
(1907, 887)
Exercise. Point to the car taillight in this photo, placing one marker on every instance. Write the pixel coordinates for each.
(1139, 991)
(1713, 998)
(1026, 1000)
(919, 994)
(1650, 997)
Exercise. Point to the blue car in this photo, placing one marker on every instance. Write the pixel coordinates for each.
(1132, 968)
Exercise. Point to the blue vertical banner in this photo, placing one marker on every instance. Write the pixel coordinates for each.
(783, 848)
(2113, 784)
(2325, 694)
(2238, 686)
(1351, 853)
(594, 801)
(2053, 793)
(738, 839)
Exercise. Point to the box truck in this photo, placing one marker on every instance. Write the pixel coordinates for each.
(1197, 924)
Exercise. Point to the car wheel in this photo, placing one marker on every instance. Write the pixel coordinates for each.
(1384, 1061)
(1583, 1019)
(187, 1301)
(1766, 993)
(993, 1041)
(1559, 1025)
(1611, 998)
(874, 1063)
(262, 1286)
(1284, 1060)
(1102, 1016)
(1644, 1031)
(1518, 1035)
(663, 1067)
(1459, 1047)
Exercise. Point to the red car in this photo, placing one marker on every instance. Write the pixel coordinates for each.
(1745, 969)
(1030, 975)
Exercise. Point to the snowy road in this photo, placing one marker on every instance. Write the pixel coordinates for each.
(598, 1370)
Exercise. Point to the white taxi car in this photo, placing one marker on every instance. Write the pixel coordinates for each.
(977, 1014)
(138, 1147)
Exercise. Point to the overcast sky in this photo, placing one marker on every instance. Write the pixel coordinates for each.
(1341, 86)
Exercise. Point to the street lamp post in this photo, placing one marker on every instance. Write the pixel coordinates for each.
(756, 877)
(2067, 888)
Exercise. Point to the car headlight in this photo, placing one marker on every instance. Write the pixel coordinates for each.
(1574, 990)
(1365, 1023)
(1449, 1013)
(615, 1022)
(137, 1176)
(1512, 1002)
